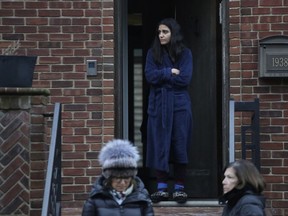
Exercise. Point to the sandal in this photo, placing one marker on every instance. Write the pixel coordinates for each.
(159, 196)
(180, 196)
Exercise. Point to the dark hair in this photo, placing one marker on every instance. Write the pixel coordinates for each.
(176, 45)
(247, 174)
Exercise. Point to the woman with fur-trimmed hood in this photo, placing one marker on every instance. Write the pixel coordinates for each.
(118, 192)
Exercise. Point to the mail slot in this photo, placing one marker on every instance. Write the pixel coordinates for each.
(273, 56)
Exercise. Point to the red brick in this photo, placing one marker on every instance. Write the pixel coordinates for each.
(270, 3)
(36, 5)
(12, 21)
(73, 155)
(12, 5)
(49, 13)
(73, 172)
(73, 13)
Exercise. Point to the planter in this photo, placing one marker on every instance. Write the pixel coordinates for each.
(17, 71)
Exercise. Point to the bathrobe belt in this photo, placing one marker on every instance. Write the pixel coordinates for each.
(167, 97)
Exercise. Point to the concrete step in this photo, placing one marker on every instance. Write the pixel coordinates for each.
(191, 208)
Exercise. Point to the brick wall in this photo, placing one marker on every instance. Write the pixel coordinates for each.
(64, 34)
(23, 150)
(251, 21)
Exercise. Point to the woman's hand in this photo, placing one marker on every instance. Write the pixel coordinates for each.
(175, 71)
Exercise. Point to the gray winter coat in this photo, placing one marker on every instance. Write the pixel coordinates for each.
(244, 203)
(101, 202)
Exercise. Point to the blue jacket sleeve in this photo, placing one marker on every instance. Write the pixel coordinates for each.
(154, 74)
(162, 75)
(185, 65)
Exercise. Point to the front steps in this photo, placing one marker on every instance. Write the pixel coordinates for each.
(170, 208)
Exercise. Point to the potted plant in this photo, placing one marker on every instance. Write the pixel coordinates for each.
(16, 70)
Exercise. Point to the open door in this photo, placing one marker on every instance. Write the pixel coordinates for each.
(200, 24)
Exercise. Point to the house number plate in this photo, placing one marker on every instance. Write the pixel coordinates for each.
(277, 63)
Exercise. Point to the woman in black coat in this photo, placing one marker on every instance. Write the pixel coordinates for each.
(104, 200)
(243, 186)
(118, 192)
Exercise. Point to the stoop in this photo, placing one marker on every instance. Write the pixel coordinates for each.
(170, 208)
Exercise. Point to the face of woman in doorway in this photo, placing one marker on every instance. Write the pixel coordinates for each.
(230, 180)
(164, 34)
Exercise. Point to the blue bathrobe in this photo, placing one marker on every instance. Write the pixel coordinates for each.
(169, 111)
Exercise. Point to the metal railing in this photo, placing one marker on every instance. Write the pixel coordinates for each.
(52, 194)
(253, 130)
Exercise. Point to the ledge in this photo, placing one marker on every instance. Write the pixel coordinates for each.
(189, 203)
(21, 98)
(24, 91)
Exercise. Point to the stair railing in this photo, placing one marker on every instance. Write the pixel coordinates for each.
(52, 194)
(253, 130)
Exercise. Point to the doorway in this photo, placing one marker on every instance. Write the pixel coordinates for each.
(200, 24)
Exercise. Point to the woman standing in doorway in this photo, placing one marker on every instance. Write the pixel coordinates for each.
(168, 71)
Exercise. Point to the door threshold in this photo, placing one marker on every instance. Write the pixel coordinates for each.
(189, 203)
